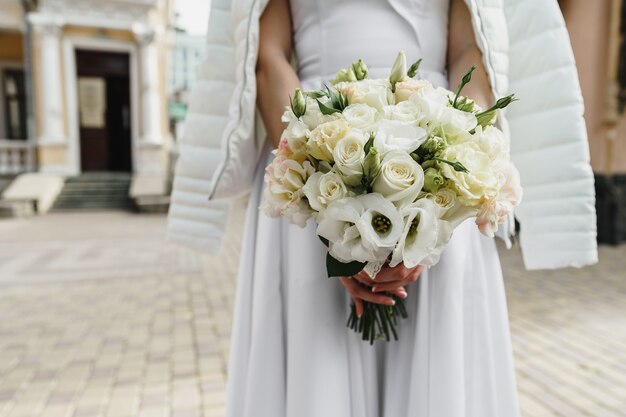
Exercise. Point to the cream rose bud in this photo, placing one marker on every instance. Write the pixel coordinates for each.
(348, 155)
(404, 89)
(405, 112)
(396, 135)
(374, 93)
(480, 182)
(324, 138)
(361, 116)
(401, 178)
(321, 189)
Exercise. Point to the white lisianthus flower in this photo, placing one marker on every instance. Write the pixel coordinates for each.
(361, 116)
(324, 138)
(406, 111)
(494, 211)
(348, 155)
(420, 235)
(493, 142)
(396, 135)
(400, 179)
(455, 122)
(374, 93)
(404, 89)
(365, 228)
(431, 101)
(480, 182)
(321, 189)
(285, 179)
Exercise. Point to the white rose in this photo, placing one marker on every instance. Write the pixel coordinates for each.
(480, 182)
(421, 233)
(321, 189)
(348, 155)
(361, 116)
(365, 228)
(396, 135)
(451, 209)
(406, 111)
(374, 93)
(401, 178)
(324, 138)
(404, 89)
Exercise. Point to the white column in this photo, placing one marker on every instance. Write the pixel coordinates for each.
(51, 83)
(149, 81)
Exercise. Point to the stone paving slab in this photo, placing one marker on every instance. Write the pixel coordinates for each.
(100, 317)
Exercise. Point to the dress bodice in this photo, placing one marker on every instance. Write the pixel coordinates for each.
(331, 34)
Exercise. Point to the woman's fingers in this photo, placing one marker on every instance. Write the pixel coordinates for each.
(396, 273)
(394, 285)
(364, 279)
(359, 306)
(357, 290)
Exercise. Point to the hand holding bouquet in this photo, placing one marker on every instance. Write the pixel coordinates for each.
(389, 168)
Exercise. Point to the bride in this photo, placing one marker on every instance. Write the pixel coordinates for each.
(292, 355)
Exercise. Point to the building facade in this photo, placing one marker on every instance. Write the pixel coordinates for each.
(97, 87)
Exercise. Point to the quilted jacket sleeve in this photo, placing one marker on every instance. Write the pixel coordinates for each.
(549, 140)
(193, 220)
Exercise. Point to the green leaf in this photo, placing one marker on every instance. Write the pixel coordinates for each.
(370, 142)
(316, 94)
(325, 109)
(412, 71)
(336, 268)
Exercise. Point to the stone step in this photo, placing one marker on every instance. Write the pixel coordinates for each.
(93, 191)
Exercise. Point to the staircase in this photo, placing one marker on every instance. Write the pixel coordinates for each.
(95, 191)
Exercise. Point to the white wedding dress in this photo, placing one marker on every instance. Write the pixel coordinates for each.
(292, 354)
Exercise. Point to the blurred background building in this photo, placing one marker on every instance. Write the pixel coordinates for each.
(94, 93)
(91, 93)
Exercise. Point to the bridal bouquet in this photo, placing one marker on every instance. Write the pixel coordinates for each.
(388, 168)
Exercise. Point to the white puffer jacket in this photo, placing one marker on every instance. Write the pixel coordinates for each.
(526, 50)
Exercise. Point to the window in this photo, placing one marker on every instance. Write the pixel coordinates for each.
(14, 104)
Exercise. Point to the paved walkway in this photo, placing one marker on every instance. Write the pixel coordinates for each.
(100, 317)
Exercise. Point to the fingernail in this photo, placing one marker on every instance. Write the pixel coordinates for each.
(391, 302)
(374, 288)
(403, 294)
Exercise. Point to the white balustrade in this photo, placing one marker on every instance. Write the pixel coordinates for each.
(16, 156)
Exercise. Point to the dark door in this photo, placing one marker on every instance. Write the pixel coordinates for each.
(14, 103)
(104, 110)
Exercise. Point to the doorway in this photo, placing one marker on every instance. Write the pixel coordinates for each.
(104, 115)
